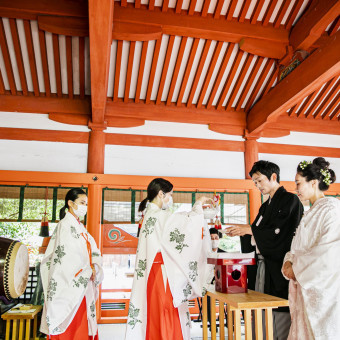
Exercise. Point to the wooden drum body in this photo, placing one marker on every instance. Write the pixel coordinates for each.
(14, 268)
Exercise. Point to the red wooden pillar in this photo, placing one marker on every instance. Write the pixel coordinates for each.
(96, 149)
(251, 154)
(254, 203)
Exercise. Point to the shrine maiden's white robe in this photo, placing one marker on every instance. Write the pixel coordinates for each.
(179, 237)
(65, 274)
(315, 252)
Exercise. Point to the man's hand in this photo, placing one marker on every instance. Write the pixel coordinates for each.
(288, 271)
(204, 199)
(239, 230)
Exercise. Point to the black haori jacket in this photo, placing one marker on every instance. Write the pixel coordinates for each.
(273, 236)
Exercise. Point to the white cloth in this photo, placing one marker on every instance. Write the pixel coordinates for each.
(179, 238)
(65, 274)
(314, 296)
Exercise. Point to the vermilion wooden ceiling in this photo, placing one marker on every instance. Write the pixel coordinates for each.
(208, 62)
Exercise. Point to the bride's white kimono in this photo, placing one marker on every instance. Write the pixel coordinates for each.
(65, 274)
(314, 297)
(184, 244)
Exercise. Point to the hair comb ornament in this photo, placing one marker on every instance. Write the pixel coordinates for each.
(326, 176)
(303, 165)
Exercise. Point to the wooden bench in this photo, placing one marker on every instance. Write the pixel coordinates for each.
(236, 303)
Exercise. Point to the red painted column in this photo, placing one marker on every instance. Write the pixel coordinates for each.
(254, 203)
(96, 150)
(251, 154)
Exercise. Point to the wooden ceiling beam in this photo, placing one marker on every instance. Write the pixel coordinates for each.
(23, 9)
(33, 104)
(100, 23)
(318, 68)
(313, 23)
(172, 113)
(307, 125)
(198, 26)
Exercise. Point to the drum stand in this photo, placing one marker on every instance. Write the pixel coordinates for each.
(4, 307)
(22, 322)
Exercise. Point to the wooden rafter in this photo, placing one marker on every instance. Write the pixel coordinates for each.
(153, 69)
(7, 59)
(31, 54)
(141, 70)
(129, 71)
(198, 72)
(43, 51)
(239, 81)
(165, 69)
(187, 71)
(319, 98)
(56, 55)
(229, 80)
(249, 82)
(219, 77)
(176, 70)
(117, 71)
(209, 74)
(18, 55)
(314, 71)
(313, 23)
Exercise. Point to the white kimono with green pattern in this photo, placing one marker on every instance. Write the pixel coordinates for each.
(66, 273)
(184, 250)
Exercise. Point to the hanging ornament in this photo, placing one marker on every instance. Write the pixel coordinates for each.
(218, 224)
(216, 199)
(44, 228)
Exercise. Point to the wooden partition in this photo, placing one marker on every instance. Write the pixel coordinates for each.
(236, 304)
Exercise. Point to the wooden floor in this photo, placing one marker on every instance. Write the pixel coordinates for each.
(117, 331)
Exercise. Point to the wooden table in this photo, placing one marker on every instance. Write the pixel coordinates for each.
(236, 303)
(23, 318)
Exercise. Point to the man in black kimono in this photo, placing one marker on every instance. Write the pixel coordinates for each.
(273, 231)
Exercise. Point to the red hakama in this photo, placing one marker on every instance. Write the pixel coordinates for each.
(78, 328)
(162, 317)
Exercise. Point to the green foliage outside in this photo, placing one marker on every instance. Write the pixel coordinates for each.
(25, 232)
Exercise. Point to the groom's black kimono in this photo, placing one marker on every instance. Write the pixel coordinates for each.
(273, 230)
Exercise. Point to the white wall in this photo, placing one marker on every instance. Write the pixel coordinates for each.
(288, 164)
(150, 161)
(43, 156)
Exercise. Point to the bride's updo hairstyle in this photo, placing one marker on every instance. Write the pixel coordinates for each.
(318, 169)
(154, 187)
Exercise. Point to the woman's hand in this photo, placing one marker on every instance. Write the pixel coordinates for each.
(288, 271)
(204, 199)
(239, 230)
(93, 276)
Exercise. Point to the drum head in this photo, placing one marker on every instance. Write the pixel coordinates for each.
(17, 270)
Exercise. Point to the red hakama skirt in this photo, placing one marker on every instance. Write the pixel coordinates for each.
(162, 317)
(78, 328)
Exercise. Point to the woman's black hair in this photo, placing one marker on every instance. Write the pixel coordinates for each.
(266, 168)
(154, 187)
(318, 169)
(72, 195)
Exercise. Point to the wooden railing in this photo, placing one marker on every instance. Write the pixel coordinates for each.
(237, 303)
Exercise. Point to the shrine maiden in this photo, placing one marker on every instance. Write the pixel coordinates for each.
(170, 267)
(312, 265)
(71, 272)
